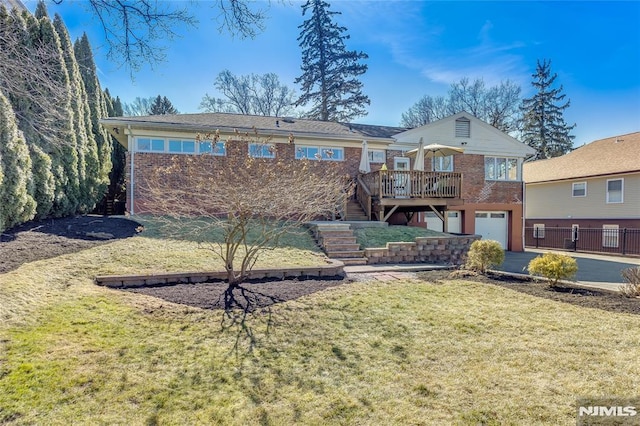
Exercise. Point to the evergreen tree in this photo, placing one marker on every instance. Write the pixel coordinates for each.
(63, 149)
(329, 71)
(162, 106)
(42, 185)
(16, 204)
(544, 127)
(118, 154)
(97, 108)
(85, 142)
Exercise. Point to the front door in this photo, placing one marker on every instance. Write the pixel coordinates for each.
(401, 180)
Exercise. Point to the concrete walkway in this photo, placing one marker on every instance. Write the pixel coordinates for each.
(594, 270)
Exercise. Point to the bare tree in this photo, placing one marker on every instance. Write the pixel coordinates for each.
(136, 31)
(497, 105)
(250, 94)
(249, 202)
(138, 107)
(26, 71)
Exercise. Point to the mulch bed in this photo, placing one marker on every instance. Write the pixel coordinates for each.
(260, 293)
(49, 238)
(53, 237)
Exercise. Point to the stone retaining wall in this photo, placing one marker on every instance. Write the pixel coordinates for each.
(450, 250)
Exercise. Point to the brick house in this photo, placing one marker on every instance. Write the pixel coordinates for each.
(483, 191)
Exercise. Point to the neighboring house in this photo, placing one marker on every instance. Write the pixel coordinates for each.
(596, 186)
(481, 191)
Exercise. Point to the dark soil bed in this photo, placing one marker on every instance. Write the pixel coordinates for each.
(53, 237)
(575, 295)
(260, 294)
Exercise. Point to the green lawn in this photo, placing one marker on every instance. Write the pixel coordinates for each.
(403, 352)
(378, 237)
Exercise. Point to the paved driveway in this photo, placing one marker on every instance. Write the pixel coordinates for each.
(591, 268)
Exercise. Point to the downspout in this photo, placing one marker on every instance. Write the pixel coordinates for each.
(524, 201)
(131, 143)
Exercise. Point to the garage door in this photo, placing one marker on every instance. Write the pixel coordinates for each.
(492, 226)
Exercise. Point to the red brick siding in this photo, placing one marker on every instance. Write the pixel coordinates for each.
(236, 153)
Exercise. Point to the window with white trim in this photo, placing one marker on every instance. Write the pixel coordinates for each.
(377, 156)
(262, 150)
(615, 189)
(501, 168)
(219, 149)
(443, 164)
(579, 189)
(319, 153)
(575, 232)
(463, 128)
(149, 145)
(538, 230)
(182, 146)
(610, 235)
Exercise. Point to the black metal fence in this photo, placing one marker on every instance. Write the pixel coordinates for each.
(624, 241)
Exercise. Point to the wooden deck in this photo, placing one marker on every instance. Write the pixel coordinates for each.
(384, 192)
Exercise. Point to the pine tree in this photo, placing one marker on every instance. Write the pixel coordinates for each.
(98, 110)
(544, 127)
(162, 106)
(329, 71)
(16, 204)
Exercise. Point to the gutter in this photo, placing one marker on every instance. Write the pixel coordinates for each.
(231, 130)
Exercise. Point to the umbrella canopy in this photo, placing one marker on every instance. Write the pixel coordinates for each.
(365, 167)
(436, 150)
(418, 164)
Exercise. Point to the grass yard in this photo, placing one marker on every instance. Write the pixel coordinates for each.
(378, 237)
(402, 352)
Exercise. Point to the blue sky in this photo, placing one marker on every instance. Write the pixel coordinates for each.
(415, 48)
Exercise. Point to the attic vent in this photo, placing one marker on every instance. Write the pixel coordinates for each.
(463, 128)
(288, 120)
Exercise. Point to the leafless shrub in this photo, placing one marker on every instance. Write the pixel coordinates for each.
(631, 287)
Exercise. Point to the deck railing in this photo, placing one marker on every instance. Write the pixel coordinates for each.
(412, 184)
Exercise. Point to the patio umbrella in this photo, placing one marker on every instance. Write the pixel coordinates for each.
(365, 167)
(436, 150)
(419, 161)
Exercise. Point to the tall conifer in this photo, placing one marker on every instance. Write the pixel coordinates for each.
(63, 149)
(97, 108)
(544, 127)
(329, 71)
(16, 204)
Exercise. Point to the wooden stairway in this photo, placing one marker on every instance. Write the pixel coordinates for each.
(355, 212)
(338, 242)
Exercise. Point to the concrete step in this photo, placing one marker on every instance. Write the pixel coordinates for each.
(356, 218)
(332, 234)
(337, 240)
(354, 260)
(341, 247)
(345, 254)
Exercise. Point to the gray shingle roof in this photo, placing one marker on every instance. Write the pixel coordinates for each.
(618, 154)
(244, 123)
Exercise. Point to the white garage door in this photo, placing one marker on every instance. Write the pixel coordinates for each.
(492, 226)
